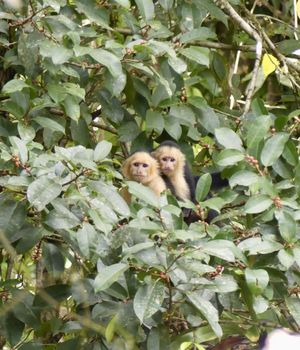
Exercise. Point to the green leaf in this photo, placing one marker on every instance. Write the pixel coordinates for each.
(142, 192)
(273, 148)
(173, 127)
(203, 187)
(229, 157)
(86, 238)
(102, 150)
(257, 128)
(72, 107)
(214, 10)
(12, 216)
(258, 204)
(154, 121)
(61, 217)
(288, 46)
(202, 33)
(108, 275)
(146, 9)
(290, 153)
(54, 259)
(148, 300)
(111, 329)
(197, 54)
(220, 249)
(166, 4)
(112, 196)
(256, 246)
(293, 304)
(257, 280)
(42, 191)
(260, 304)
(20, 147)
(228, 139)
(12, 327)
(286, 257)
(287, 225)
(14, 85)
(99, 15)
(124, 3)
(74, 90)
(58, 53)
(26, 132)
(50, 124)
(184, 114)
(243, 178)
(207, 310)
(225, 284)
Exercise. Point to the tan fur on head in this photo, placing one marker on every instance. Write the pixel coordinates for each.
(170, 152)
(143, 158)
(171, 163)
(143, 168)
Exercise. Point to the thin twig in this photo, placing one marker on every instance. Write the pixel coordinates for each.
(105, 127)
(228, 9)
(295, 19)
(28, 19)
(215, 45)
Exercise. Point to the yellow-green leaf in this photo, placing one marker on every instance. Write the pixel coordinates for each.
(298, 8)
(269, 64)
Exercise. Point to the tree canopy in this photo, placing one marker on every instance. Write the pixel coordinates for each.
(84, 84)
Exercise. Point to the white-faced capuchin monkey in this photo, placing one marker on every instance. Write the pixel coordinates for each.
(143, 168)
(175, 170)
(179, 178)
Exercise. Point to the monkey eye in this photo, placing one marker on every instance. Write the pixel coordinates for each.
(135, 164)
(172, 159)
(145, 165)
(164, 159)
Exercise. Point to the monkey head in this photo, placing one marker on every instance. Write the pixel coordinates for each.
(140, 167)
(170, 159)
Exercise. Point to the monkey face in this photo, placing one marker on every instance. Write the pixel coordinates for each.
(167, 164)
(169, 159)
(139, 171)
(140, 167)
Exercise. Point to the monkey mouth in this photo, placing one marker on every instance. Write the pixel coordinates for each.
(139, 177)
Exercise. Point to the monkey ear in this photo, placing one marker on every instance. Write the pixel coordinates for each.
(125, 168)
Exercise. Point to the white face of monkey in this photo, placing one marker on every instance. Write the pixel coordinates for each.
(140, 167)
(139, 170)
(167, 164)
(169, 159)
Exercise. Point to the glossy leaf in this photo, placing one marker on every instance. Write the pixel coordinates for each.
(203, 187)
(207, 310)
(148, 300)
(108, 275)
(229, 157)
(42, 191)
(102, 150)
(258, 204)
(146, 8)
(257, 280)
(228, 139)
(273, 148)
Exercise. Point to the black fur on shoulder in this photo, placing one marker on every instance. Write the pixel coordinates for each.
(189, 177)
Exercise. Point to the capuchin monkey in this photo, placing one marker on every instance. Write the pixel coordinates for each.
(175, 170)
(179, 178)
(143, 168)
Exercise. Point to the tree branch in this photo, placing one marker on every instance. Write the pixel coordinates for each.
(105, 127)
(227, 8)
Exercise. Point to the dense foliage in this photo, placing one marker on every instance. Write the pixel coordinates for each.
(84, 83)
